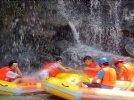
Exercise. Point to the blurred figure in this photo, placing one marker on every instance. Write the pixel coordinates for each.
(11, 72)
(52, 69)
(126, 70)
(106, 77)
(90, 68)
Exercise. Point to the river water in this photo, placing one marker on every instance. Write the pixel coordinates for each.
(31, 97)
(45, 97)
(34, 97)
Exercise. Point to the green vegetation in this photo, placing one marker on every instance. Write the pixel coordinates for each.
(11, 7)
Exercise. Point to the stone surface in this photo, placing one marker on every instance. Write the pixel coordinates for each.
(43, 32)
(35, 38)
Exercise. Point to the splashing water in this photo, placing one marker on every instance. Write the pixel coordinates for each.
(95, 32)
(98, 30)
(77, 52)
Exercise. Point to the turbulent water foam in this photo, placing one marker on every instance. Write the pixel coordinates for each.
(77, 52)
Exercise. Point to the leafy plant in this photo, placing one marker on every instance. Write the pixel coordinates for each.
(12, 7)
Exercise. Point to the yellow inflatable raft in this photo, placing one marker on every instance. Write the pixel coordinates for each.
(8, 88)
(67, 86)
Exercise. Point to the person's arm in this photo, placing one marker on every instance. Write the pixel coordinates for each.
(98, 77)
(17, 70)
(65, 69)
(93, 69)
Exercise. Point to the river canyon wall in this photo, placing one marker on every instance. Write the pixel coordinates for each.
(34, 32)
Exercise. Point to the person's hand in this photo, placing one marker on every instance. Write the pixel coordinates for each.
(70, 69)
(17, 68)
(86, 68)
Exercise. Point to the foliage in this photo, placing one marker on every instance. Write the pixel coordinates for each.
(11, 7)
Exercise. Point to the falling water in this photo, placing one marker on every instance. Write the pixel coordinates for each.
(73, 22)
(95, 27)
(102, 28)
(76, 33)
(105, 26)
(99, 30)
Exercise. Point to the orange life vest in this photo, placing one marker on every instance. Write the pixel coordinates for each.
(53, 72)
(109, 78)
(128, 71)
(91, 73)
(3, 72)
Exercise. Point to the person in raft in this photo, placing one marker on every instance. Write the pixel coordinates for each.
(126, 70)
(106, 77)
(53, 68)
(90, 68)
(11, 72)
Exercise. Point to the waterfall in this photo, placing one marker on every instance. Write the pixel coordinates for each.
(72, 28)
(76, 33)
(73, 22)
(100, 28)
(97, 32)
(104, 26)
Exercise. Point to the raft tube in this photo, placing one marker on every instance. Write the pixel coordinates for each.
(8, 88)
(67, 86)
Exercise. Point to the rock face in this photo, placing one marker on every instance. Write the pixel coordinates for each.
(128, 13)
(35, 38)
(128, 27)
(104, 24)
(130, 49)
(43, 31)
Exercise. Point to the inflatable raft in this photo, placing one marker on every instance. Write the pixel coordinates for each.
(67, 86)
(8, 88)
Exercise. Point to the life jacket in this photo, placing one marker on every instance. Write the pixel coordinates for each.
(128, 71)
(54, 71)
(109, 78)
(3, 72)
(91, 73)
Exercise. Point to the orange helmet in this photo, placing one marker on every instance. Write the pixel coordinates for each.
(118, 60)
